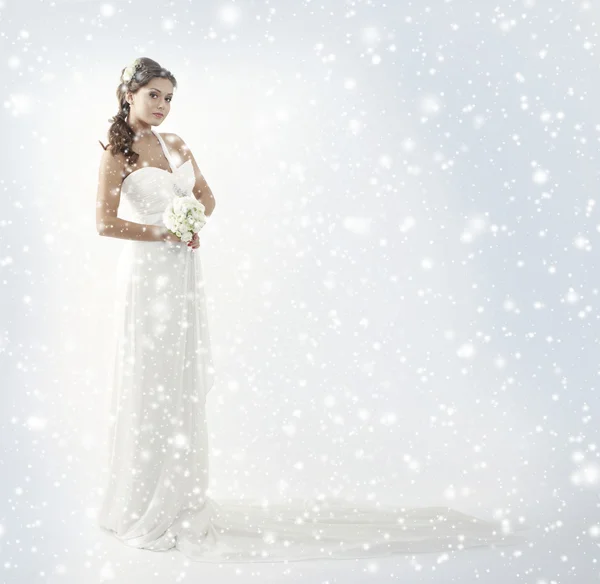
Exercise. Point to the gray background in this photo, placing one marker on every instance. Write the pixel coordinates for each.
(401, 270)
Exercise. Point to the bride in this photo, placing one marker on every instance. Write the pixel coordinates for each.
(162, 372)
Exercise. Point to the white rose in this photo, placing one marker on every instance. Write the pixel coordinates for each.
(129, 71)
(128, 74)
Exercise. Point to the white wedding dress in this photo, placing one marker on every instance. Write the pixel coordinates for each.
(158, 443)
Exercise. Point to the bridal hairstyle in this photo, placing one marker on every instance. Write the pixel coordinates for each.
(139, 73)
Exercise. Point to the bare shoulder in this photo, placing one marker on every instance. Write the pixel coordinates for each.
(109, 159)
(111, 164)
(176, 143)
(170, 138)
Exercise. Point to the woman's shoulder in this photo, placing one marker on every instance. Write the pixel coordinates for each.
(108, 149)
(109, 153)
(176, 143)
(170, 138)
(114, 162)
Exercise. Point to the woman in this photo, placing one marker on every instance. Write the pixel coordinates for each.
(163, 370)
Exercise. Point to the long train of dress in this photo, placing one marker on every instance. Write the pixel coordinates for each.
(158, 444)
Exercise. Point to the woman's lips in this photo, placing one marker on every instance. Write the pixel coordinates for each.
(159, 115)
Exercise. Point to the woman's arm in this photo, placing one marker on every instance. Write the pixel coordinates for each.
(201, 189)
(107, 206)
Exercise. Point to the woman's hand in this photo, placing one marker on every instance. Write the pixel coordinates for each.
(194, 243)
(172, 237)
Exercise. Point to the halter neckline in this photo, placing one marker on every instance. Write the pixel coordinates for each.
(164, 149)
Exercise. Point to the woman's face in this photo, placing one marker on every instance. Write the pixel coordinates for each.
(155, 97)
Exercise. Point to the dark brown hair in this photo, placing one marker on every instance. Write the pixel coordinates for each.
(120, 135)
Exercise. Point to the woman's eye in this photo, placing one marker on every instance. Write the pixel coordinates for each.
(154, 95)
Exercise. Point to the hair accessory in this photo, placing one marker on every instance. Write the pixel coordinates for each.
(129, 71)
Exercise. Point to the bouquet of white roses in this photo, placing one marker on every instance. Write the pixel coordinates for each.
(184, 216)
